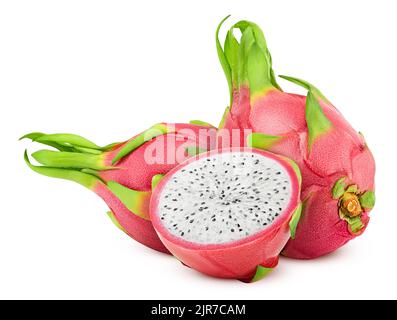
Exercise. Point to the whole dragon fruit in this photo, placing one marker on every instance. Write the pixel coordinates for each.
(337, 167)
(122, 174)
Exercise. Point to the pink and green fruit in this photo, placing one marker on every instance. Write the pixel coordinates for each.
(337, 166)
(228, 213)
(122, 174)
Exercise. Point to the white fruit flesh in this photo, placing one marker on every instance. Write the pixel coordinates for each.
(224, 197)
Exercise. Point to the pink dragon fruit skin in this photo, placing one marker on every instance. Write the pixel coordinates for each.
(337, 167)
(119, 173)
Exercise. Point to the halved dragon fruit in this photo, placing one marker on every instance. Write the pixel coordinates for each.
(122, 173)
(228, 213)
(336, 164)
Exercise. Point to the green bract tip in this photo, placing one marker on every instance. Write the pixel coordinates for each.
(194, 151)
(115, 221)
(339, 188)
(201, 123)
(295, 220)
(60, 159)
(156, 179)
(308, 86)
(317, 122)
(367, 199)
(155, 131)
(85, 179)
(261, 272)
(262, 141)
(134, 200)
(248, 62)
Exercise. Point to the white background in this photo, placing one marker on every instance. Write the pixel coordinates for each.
(109, 69)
